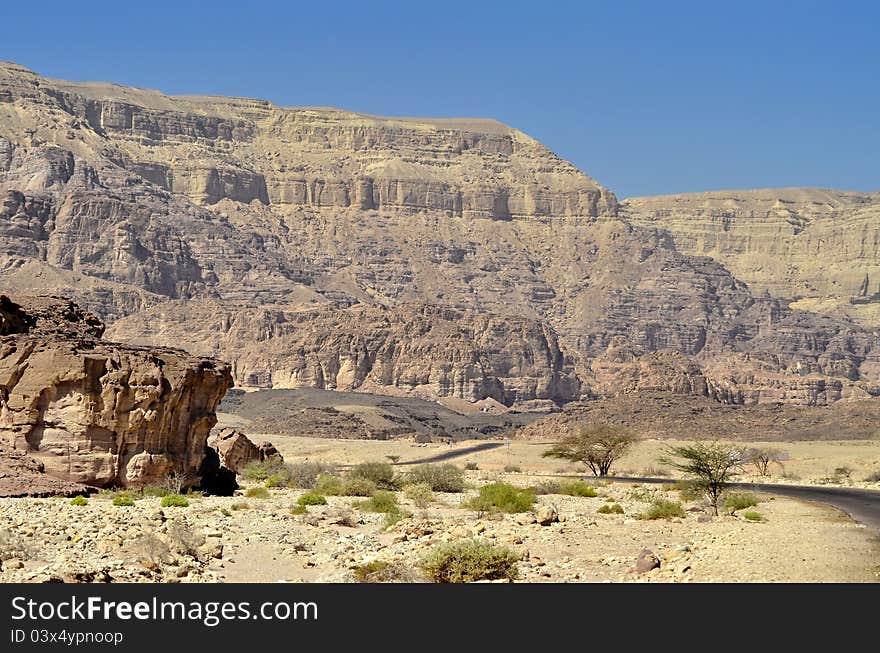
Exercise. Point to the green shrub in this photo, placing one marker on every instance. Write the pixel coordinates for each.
(471, 467)
(257, 492)
(688, 491)
(337, 486)
(577, 488)
(174, 501)
(298, 510)
(740, 501)
(381, 501)
(501, 497)
(751, 515)
(420, 494)
(469, 560)
(611, 509)
(663, 509)
(154, 491)
(312, 499)
(381, 474)
(441, 478)
(512, 468)
(260, 471)
(277, 480)
(123, 500)
(79, 501)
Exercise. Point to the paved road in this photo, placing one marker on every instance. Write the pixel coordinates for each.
(862, 505)
(453, 453)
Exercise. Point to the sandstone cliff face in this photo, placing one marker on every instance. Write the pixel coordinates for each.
(818, 246)
(95, 412)
(292, 241)
(435, 351)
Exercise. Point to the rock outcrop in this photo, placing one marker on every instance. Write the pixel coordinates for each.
(296, 243)
(236, 450)
(100, 413)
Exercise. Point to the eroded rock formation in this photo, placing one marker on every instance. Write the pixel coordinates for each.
(96, 412)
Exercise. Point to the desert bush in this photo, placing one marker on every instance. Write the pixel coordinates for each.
(184, 538)
(381, 501)
(174, 501)
(298, 510)
(277, 480)
(240, 505)
(471, 467)
(261, 470)
(154, 491)
(686, 490)
(337, 486)
(381, 474)
(740, 501)
(258, 492)
(469, 560)
(13, 545)
(123, 499)
(442, 478)
(382, 571)
(420, 494)
(663, 509)
(175, 482)
(546, 487)
(79, 501)
(149, 548)
(655, 472)
(393, 458)
(576, 488)
(610, 509)
(512, 468)
(304, 475)
(312, 499)
(873, 477)
(751, 515)
(501, 497)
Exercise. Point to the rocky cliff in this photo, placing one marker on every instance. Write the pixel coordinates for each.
(321, 247)
(95, 412)
(817, 247)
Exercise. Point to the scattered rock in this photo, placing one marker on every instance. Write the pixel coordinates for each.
(547, 514)
(647, 561)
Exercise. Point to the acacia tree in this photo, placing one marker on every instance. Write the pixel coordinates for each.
(711, 466)
(597, 446)
(762, 458)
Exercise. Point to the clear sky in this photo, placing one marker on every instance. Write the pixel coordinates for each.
(647, 97)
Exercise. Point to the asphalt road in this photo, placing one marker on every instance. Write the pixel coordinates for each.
(861, 505)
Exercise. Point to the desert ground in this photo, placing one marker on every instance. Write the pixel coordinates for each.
(255, 536)
(249, 539)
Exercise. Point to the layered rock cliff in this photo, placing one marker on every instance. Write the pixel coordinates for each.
(298, 244)
(820, 248)
(96, 412)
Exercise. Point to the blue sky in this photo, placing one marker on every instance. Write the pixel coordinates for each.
(647, 97)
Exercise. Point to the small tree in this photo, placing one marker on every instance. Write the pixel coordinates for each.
(762, 458)
(710, 465)
(597, 446)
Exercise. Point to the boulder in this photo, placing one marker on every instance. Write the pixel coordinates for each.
(547, 514)
(99, 413)
(647, 561)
